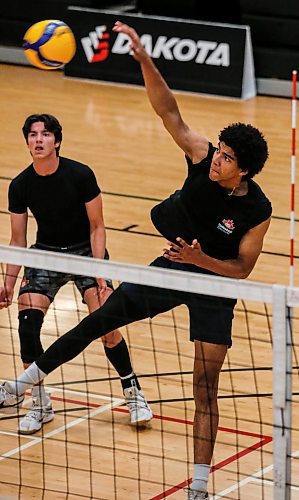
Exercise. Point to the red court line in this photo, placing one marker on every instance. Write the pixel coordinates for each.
(223, 463)
(263, 441)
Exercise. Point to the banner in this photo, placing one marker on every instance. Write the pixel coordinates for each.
(192, 56)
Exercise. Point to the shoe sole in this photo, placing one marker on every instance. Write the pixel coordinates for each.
(141, 422)
(187, 491)
(33, 431)
(11, 409)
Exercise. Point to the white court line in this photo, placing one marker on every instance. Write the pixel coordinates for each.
(11, 433)
(62, 428)
(52, 389)
(248, 479)
(267, 481)
(238, 485)
(260, 481)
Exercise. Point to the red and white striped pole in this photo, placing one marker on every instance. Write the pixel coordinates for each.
(293, 176)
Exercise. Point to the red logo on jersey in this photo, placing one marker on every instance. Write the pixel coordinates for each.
(229, 224)
(24, 282)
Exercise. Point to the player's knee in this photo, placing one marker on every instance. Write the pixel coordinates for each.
(30, 323)
(205, 391)
(112, 339)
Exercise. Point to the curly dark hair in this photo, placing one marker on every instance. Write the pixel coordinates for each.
(51, 124)
(249, 146)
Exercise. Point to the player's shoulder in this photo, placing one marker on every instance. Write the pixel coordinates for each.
(205, 160)
(23, 175)
(74, 165)
(69, 162)
(259, 199)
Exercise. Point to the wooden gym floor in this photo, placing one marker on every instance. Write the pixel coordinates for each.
(114, 130)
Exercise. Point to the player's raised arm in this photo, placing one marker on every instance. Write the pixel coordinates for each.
(163, 100)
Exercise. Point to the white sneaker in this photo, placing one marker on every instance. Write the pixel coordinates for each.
(197, 495)
(9, 403)
(40, 414)
(140, 412)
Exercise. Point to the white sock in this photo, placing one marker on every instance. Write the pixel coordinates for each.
(127, 376)
(200, 477)
(31, 376)
(39, 392)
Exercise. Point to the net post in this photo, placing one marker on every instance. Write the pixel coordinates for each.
(282, 394)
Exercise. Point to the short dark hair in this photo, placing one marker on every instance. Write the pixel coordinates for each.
(51, 124)
(249, 146)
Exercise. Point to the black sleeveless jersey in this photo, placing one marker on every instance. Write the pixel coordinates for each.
(57, 201)
(202, 209)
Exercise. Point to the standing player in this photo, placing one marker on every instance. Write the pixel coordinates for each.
(215, 224)
(66, 203)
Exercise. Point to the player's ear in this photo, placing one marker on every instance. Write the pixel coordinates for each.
(243, 173)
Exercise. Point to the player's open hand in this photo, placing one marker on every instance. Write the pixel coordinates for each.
(139, 52)
(182, 252)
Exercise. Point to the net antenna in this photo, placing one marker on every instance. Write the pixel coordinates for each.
(293, 175)
(282, 350)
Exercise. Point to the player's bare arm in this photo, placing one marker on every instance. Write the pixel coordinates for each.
(18, 224)
(94, 210)
(240, 268)
(163, 101)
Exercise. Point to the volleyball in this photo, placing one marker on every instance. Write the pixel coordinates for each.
(49, 44)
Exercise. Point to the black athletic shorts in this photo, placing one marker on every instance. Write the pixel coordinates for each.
(210, 317)
(49, 283)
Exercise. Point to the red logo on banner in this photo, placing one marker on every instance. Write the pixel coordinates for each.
(96, 46)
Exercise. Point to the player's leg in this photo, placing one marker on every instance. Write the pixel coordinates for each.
(37, 291)
(118, 354)
(127, 304)
(119, 310)
(32, 309)
(210, 329)
(208, 361)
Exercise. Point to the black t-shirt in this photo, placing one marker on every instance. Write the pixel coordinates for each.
(202, 209)
(57, 201)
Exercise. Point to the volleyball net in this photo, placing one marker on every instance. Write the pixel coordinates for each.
(89, 450)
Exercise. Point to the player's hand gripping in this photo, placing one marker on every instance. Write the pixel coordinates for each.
(6, 296)
(139, 52)
(182, 252)
(102, 287)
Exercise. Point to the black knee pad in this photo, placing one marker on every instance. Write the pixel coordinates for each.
(30, 323)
